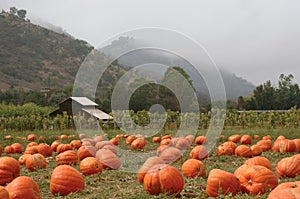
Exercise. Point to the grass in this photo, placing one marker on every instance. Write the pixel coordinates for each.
(122, 184)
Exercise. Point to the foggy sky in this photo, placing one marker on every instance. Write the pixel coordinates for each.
(255, 39)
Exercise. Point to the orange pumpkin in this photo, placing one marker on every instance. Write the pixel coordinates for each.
(17, 147)
(170, 154)
(265, 145)
(182, 143)
(297, 143)
(67, 157)
(9, 169)
(63, 137)
(156, 139)
(201, 140)
(261, 161)
(267, 137)
(286, 190)
(130, 139)
(42, 139)
(23, 187)
(220, 181)
(192, 168)
(227, 148)
(286, 146)
(163, 178)
(65, 180)
(160, 149)
(100, 145)
(246, 139)
(146, 166)
(32, 144)
(63, 147)
(76, 144)
(35, 161)
(9, 150)
(190, 138)
(256, 150)
(31, 150)
(234, 138)
(243, 151)
(44, 149)
(108, 159)
(165, 141)
(90, 166)
(256, 179)
(199, 153)
(111, 148)
(114, 141)
(3, 193)
(166, 137)
(31, 137)
(288, 167)
(86, 151)
(22, 159)
(98, 138)
(256, 137)
(138, 143)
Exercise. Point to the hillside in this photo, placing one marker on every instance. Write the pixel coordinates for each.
(32, 57)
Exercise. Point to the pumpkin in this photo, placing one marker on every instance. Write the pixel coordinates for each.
(90, 165)
(32, 144)
(256, 137)
(256, 179)
(44, 149)
(82, 135)
(297, 143)
(261, 161)
(65, 180)
(201, 140)
(63, 147)
(163, 178)
(286, 190)
(22, 159)
(98, 138)
(67, 157)
(151, 161)
(9, 150)
(76, 144)
(166, 137)
(35, 161)
(219, 181)
(108, 159)
(156, 139)
(130, 139)
(86, 151)
(31, 150)
(243, 151)
(246, 139)
(63, 137)
(31, 137)
(234, 138)
(100, 145)
(42, 139)
(111, 148)
(288, 167)
(54, 145)
(165, 141)
(267, 137)
(8, 137)
(199, 153)
(192, 168)
(3, 193)
(265, 145)
(256, 150)
(114, 141)
(286, 146)
(138, 143)
(190, 138)
(182, 143)
(160, 149)
(170, 154)
(23, 187)
(227, 148)
(17, 147)
(9, 169)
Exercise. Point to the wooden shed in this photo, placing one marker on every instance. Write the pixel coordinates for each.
(76, 105)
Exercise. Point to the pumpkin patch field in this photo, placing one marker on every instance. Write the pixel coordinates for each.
(244, 163)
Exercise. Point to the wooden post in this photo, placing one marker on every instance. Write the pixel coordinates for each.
(3, 126)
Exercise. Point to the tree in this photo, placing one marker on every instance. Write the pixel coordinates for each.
(13, 10)
(22, 13)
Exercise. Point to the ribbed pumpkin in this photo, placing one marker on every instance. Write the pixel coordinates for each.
(17, 147)
(23, 187)
(160, 149)
(261, 161)
(288, 167)
(256, 150)
(163, 178)
(65, 180)
(156, 139)
(98, 138)
(44, 149)
(265, 145)
(297, 143)
(63, 147)
(246, 139)
(100, 145)
(31, 137)
(3, 193)
(182, 143)
(166, 137)
(76, 144)
(108, 159)
(111, 148)
(9, 169)
(115, 141)
(42, 139)
(201, 139)
(138, 143)
(243, 151)
(35, 161)
(234, 138)
(286, 190)
(170, 154)
(165, 141)
(256, 179)
(220, 181)
(63, 137)
(199, 153)
(275, 146)
(90, 165)
(22, 159)
(32, 144)
(190, 138)
(86, 151)
(9, 150)
(192, 168)
(227, 148)
(67, 157)
(286, 146)
(267, 137)
(146, 166)
(54, 145)
(130, 139)
(256, 137)
(31, 150)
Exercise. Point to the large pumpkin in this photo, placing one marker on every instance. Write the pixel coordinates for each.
(220, 181)
(138, 143)
(170, 154)
(63, 147)
(287, 145)
(90, 165)
(163, 178)
(261, 161)
(234, 138)
(108, 159)
(17, 147)
(192, 168)
(243, 151)
(23, 187)
(256, 179)
(9, 169)
(35, 161)
(44, 149)
(286, 190)
(86, 151)
(31, 150)
(288, 167)
(256, 150)
(199, 153)
(76, 144)
(297, 143)
(246, 139)
(67, 157)
(182, 143)
(65, 180)
(3, 193)
(227, 148)
(201, 139)
(265, 145)
(54, 145)
(146, 166)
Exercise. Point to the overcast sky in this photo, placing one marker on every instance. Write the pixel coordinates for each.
(255, 39)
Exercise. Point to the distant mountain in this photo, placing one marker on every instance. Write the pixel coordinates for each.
(33, 57)
(234, 86)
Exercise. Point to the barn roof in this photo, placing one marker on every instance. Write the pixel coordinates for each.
(84, 101)
(97, 113)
